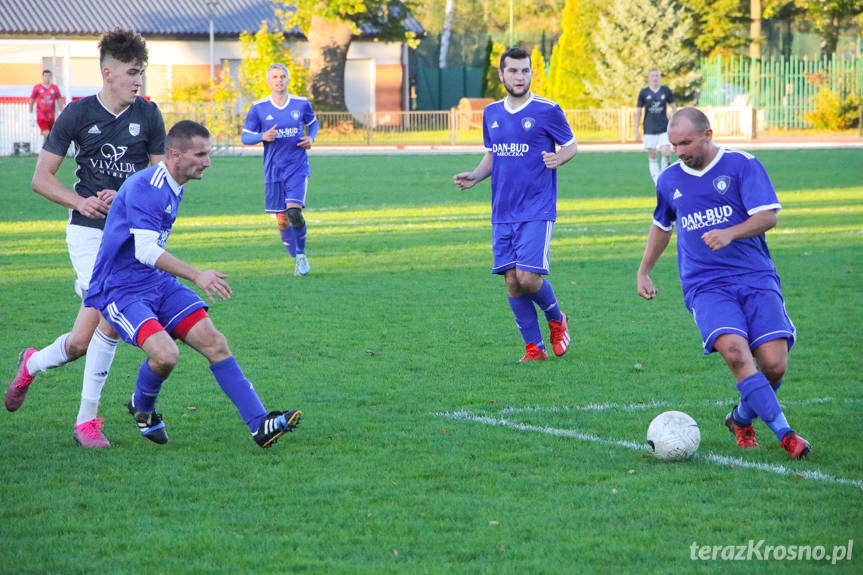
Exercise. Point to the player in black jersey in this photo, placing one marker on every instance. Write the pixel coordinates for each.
(655, 99)
(115, 133)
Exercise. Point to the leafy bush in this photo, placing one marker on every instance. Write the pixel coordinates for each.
(832, 112)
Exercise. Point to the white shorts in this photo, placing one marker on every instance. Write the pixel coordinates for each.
(83, 244)
(653, 141)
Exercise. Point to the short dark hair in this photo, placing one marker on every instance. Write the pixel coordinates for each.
(123, 45)
(47, 72)
(180, 135)
(516, 53)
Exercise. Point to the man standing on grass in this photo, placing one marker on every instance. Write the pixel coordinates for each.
(655, 99)
(521, 133)
(135, 287)
(288, 127)
(46, 99)
(722, 202)
(116, 133)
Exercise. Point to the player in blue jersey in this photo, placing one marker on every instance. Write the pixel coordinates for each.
(115, 134)
(722, 202)
(287, 126)
(522, 133)
(655, 99)
(135, 287)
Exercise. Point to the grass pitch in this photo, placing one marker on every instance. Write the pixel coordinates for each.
(425, 447)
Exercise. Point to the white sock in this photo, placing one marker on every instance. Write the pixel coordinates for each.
(52, 356)
(100, 356)
(663, 162)
(654, 169)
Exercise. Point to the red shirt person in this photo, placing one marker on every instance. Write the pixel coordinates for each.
(45, 97)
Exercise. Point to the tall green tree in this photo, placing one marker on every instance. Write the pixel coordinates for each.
(259, 51)
(636, 35)
(573, 65)
(719, 26)
(330, 26)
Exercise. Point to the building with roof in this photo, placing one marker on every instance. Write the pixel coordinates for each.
(187, 40)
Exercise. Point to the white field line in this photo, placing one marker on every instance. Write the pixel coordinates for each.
(657, 404)
(708, 457)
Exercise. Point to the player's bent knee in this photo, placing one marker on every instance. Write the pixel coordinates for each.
(295, 215)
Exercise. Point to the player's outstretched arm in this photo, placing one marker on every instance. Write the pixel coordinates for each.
(467, 180)
(211, 282)
(657, 241)
(46, 184)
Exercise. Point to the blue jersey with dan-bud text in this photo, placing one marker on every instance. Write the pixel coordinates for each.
(282, 157)
(733, 187)
(523, 189)
(148, 200)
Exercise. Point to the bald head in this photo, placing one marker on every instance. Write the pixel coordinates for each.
(694, 116)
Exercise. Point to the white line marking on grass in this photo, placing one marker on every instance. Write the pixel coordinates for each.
(708, 457)
(658, 404)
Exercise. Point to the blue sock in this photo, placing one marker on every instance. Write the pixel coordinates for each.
(547, 301)
(240, 391)
(288, 240)
(756, 391)
(147, 388)
(526, 320)
(743, 413)
(300, 234)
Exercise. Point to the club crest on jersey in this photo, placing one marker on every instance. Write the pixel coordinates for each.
(134, 128)
(528, 123)
(295, 114)
(721, 184)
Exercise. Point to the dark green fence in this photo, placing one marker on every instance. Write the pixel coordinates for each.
(782, 90)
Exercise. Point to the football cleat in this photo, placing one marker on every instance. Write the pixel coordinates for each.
(89, 434)
(559, 336)
(745, 434)
(275, 425)
(533, 353)
(17, 390)
(796, 446)
(149, 422)
(303, 267)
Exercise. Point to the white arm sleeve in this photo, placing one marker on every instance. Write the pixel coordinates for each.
(147, 249)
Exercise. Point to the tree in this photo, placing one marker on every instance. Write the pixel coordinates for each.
(829, 17)
(539, 85)
(330, 25)
(720, 26)
(573, 67)
(636, 35)
(259, 51)
(493, 87)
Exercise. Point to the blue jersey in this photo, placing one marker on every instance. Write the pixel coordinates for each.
(148, 200)
(522, 188)
(733, 187)
(282, 157)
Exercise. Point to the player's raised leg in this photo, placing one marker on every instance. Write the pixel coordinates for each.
(266, 427)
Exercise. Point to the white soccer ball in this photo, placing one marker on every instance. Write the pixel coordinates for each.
(673, 436)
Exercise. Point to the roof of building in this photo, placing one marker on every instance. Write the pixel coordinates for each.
(184, 18)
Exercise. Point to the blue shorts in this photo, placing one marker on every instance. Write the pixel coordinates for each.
(278, 194)
(168, 305)
(756, 314)
(523, 245)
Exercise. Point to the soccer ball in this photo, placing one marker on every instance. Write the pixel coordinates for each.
(673, 436)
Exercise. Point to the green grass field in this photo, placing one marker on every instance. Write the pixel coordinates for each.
(426, 447)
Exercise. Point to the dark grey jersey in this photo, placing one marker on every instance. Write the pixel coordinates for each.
(108, 148)
(654, 104)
